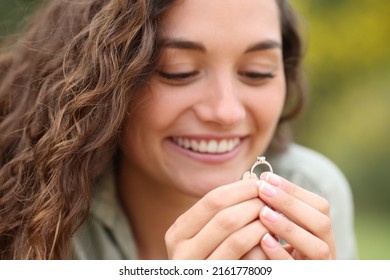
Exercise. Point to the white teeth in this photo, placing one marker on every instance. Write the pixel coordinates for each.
(202, 147)
(194, 145)
(187, 143)
(223, 146)
(208, 146)
(212, 147)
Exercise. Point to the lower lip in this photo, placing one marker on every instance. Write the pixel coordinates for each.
(205, 157)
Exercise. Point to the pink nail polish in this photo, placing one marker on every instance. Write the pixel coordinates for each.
(273, 179)
(267, 189)
(270, 214)
(269, 241)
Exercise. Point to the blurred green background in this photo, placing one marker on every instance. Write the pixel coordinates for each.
(348, 68)
(348, 117)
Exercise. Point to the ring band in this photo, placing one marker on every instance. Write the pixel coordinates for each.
(259, 161)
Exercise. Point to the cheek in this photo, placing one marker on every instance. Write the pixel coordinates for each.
(267, 106)
(164, 105)
(137, 126)
(150, 114)
(132, 136)
(151, 121)
(139, 142)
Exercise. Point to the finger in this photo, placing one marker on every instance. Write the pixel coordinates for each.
(310, 198)
(255, 253)
(300, 239)
(246, 175)
(295, 209)
(192, 221)
(221, 226)
(298, 211)
(241, 242)
(272, 249)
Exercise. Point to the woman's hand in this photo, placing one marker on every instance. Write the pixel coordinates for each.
(299, 217)
(224, 224)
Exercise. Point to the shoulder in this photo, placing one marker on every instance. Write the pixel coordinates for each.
(309, 169)
(106, 234)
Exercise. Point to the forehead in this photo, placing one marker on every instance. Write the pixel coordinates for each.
(218, 18)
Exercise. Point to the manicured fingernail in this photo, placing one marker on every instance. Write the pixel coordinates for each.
(269, 241)
(273, 179)
(267, 189)
(270, 214)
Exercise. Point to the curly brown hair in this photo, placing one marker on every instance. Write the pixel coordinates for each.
(65, 86)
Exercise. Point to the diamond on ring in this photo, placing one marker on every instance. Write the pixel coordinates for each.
(260, 160)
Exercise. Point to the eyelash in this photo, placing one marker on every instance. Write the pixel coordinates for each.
(177, 76)
(182, 76)
(257, 75)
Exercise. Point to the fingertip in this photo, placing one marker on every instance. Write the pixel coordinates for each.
(271, 178)
(249, 175)
(263, 176)
(269, 241)
(273, 249)
(246, 175)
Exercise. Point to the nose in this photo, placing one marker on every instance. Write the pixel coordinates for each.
(220, 103)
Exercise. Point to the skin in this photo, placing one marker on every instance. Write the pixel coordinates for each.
(220, 78)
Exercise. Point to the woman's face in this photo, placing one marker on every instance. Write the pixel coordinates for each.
(214, 102)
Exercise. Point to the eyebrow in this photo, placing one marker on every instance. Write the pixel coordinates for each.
(263, 46)
(191, 45)
(182, 44)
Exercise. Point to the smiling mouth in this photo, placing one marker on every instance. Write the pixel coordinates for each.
(210, 146)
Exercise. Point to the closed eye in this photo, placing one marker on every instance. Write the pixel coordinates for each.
(177, 76)
(257, 75)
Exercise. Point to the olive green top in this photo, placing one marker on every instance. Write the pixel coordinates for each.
(107, 233)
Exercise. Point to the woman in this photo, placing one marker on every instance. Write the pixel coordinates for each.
(127, 128)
